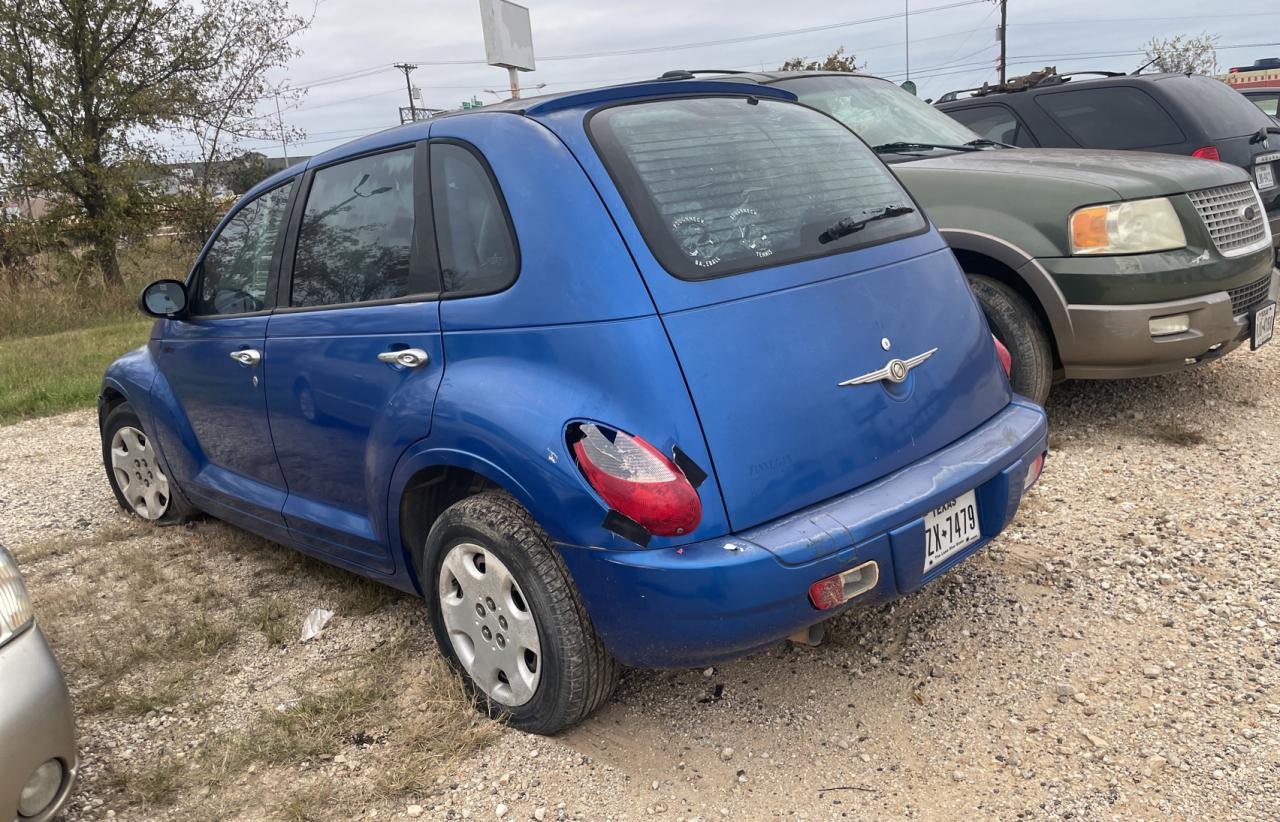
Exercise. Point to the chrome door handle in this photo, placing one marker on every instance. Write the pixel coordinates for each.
(408, 357)
(247, 356)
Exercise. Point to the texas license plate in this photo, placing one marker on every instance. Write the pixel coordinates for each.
(1265, 174)
(1264, 325)
(949, 528)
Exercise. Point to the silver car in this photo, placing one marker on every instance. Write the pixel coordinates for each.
(38, 759)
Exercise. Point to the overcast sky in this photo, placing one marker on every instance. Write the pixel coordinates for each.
(353, 90)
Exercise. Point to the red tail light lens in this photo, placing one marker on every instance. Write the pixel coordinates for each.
(1033, 472)
(1006, 361)
(1207, 153)
(636, 480)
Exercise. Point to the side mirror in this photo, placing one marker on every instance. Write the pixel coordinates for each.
(164, 299)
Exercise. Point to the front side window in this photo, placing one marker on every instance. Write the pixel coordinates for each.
(477, 250)
(878, 111)
(722, 185)
(237, 268)
(995, 123)
(357, 232)
(1119, 117)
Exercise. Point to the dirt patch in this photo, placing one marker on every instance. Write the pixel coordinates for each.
(1112, 655)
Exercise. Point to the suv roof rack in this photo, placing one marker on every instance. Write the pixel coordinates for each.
(689, 74)
(1048, 76)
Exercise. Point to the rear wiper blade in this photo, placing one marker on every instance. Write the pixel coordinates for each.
(898, 148)
(849, 225)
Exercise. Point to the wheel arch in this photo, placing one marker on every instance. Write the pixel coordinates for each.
(985, 254)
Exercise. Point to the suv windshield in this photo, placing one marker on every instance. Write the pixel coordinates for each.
(878, 111)
(721, 185)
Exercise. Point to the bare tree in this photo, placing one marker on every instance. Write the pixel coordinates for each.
(1184, 54)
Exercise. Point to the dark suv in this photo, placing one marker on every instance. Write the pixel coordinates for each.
(1171, 113)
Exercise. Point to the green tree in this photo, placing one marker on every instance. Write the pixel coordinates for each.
(836, 61)
(1184, 53)
(244, 172)
(87, 87)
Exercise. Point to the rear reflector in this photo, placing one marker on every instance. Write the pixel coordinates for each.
(840, 588)
(1033, 472)
(1207, 153)
(636, 480)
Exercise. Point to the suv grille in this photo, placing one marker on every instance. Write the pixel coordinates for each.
(1246, 297)
(1221, 209)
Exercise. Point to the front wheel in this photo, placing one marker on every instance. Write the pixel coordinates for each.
(133, 468)
(1017, 325)
(506, 613)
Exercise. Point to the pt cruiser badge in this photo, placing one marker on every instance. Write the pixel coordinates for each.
(894, 370)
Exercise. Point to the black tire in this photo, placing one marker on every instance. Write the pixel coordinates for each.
(178, 508)
(577, 673)
(1016, 324)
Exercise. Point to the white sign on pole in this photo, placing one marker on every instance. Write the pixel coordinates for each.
(508, 37)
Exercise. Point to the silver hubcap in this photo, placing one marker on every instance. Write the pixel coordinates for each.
(490, 625)
(143, 484)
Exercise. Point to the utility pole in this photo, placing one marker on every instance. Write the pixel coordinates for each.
(284, 146)
(906, 19)
(408, 68)
(1004, 38)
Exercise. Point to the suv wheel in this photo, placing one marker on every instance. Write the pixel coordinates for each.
(1016, 324)
(138, 480)
(506, 614)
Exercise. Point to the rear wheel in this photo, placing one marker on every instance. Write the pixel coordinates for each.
(1016, 324)
(506, 613)
(133, 468)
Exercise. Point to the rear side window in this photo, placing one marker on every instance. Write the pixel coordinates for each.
(1119, 117)
(996, 123)
(1266, 102)
(356, 235)
(473, 232)
(722, 185)
(237, 268)
(1220, 110)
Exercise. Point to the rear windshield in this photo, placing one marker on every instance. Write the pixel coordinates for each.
(722, 185)
(1216, 106)
(1121, 117)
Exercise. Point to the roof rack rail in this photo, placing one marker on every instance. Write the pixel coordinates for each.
(688, 74)
(1048, 76)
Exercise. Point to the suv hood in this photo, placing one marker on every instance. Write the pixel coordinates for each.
(1131, 175)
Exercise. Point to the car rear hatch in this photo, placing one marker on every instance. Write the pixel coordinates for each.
(1238, 129)
(784, 339)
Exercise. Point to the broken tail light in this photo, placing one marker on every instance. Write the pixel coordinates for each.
(1006, 361)
(636, 480)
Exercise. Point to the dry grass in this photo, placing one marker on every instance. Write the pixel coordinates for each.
(182, 645)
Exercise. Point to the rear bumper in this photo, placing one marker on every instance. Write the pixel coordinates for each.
(36, 722)
(720, 598)
(1114, 341)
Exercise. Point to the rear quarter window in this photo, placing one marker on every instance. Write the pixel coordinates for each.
(723, 185)
(1120, 117)
(1220, 110)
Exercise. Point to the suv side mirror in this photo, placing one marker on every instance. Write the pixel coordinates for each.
(164, 299)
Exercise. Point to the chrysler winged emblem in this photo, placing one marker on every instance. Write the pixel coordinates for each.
(894, 370)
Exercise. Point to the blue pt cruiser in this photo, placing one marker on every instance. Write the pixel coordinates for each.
(656, 375)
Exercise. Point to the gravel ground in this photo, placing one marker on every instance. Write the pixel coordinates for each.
(1112, 655)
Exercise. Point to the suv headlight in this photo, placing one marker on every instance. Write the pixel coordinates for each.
(1135, 227)
(15, 605)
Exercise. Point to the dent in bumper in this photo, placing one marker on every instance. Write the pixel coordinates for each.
(36, 722)
(1114, 341)
(713, 600)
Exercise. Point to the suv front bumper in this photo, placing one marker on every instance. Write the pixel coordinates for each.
(705, 602)
(1114, 341)
(36, 723)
